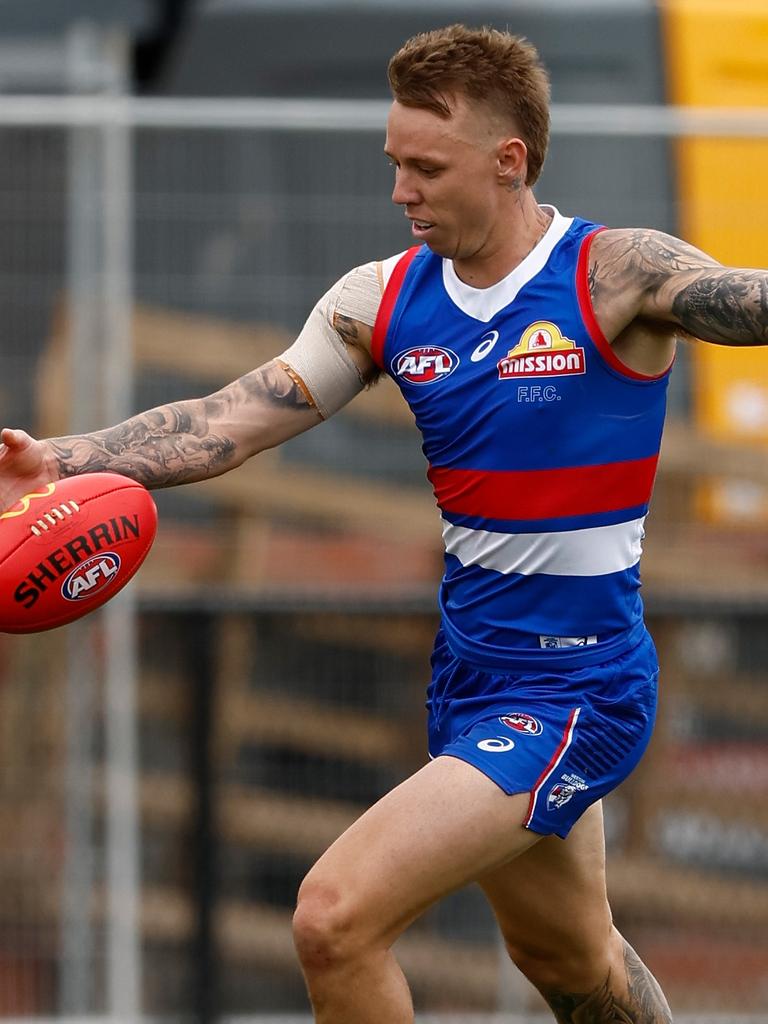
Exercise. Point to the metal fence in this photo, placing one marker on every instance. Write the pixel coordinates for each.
(173, 766)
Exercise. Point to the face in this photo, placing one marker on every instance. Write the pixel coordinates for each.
(450, 175)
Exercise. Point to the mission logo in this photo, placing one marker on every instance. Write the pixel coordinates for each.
(542, 352)
(425, 364)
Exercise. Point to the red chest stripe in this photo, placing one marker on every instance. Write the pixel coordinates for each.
(544, 493)
(388, 300)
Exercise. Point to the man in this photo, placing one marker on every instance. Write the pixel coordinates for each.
(534, 350)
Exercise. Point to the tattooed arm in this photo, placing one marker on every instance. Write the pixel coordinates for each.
(327, 365)
(172, 444)
(640, 273)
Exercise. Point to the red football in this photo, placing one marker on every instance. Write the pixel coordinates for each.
(69, 547)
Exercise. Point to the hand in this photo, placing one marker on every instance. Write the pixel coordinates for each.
(25, 466)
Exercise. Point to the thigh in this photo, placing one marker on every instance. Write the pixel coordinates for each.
(552, 901)
(442, 828)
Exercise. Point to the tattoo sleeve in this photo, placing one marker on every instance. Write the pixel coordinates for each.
(634, 999)
(193, 440)
(726, 306)
(671, 280)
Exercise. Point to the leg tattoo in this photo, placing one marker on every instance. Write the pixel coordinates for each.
(643, 1003)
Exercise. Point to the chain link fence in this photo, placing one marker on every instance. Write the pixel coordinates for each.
(172, 766)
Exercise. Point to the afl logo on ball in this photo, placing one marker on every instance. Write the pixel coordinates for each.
(424, 365)
(521, 722)
(91, 576)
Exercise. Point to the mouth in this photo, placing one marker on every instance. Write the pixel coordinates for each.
(420, 227)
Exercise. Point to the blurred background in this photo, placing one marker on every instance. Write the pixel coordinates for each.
(179, 182)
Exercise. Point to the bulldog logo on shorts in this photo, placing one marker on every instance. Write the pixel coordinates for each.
(562, 791)
(559, 796)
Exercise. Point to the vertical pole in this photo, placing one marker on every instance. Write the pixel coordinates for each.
(77, 941)
(201, 633)
(119, 616)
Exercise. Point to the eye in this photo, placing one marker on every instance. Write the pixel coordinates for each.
(428, 172)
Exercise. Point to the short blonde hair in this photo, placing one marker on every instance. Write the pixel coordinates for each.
(485, 65)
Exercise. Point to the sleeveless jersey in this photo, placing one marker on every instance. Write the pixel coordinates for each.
(542, 448)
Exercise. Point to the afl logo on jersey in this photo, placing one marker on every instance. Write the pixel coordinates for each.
(542, 352)
(425, 364)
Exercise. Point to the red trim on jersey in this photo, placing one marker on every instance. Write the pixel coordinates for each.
(602, 344)
(557, 757)
(388, 300)
(544, 493)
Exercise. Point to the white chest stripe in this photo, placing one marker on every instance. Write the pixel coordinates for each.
(593, 552)
(484, 303)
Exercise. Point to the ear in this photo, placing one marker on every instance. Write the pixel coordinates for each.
(512, 163)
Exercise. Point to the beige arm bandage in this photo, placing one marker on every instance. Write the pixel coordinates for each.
(319, 360)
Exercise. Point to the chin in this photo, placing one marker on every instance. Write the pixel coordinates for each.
(444, 249)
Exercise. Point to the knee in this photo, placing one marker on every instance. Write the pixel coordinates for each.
(324, 928)
(564, 966)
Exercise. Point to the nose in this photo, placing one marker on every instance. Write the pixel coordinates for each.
(404, 193)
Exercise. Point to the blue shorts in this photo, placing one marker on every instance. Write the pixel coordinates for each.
(566, 737)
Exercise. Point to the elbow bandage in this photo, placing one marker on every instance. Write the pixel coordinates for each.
(319, 360)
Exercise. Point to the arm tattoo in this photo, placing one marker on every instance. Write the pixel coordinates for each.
(592, 278)
(638, 260)
(644, 1002)
(347, 329)
(712, 302)
(349, 332)
(177, 443)
(168, 445)
(268, 384)
(727, 306)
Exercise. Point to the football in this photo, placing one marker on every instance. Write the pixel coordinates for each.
(69, 547)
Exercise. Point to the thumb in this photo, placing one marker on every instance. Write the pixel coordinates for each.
(14, 439)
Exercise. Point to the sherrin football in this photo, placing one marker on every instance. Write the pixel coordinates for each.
(69, 547)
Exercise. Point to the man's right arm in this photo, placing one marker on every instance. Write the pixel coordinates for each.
(193, 440)
(172, 444)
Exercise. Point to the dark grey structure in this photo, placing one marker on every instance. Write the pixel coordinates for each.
(597, 52)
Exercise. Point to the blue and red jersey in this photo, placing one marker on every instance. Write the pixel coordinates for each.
(542, 450)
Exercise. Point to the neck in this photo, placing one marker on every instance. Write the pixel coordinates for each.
(520, 228)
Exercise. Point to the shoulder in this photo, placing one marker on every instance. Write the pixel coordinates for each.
(356, 295)
(634, 271)
(387, 267)
(644, 255)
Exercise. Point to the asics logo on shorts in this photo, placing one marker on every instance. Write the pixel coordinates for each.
(496, 744)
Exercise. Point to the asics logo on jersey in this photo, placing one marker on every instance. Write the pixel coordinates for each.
(487, 342)
(542, 351)
(425, 364)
